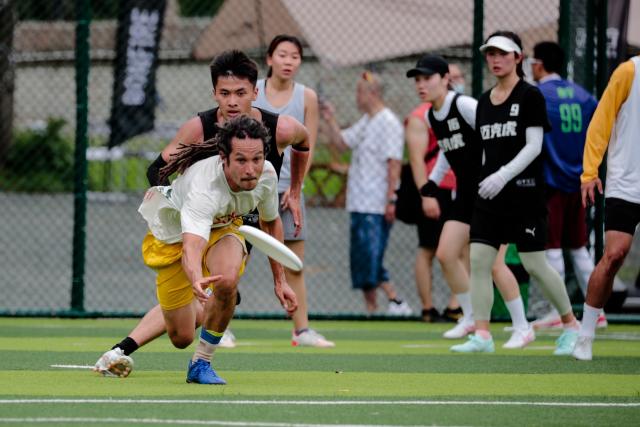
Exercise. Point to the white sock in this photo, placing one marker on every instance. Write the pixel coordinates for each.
(516, 310)
(589, 320)
(204, 351)
(464, 299)
(555, 259)
(583, 265)
(208, 343)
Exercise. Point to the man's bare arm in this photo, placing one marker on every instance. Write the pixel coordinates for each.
(417, 140)
(193, 247)
(393, 177)
(291, 132)
(189, 133)
(311, 119)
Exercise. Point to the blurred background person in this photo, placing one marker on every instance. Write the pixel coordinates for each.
(452, 119)
(615, 125)
(376, 144)
(569, 108)
(456, 79)
(280, 94)
(511, 119)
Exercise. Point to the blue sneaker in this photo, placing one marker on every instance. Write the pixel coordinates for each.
(566, 342)
(201, 372)
(475, 344)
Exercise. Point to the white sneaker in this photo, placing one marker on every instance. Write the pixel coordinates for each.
(520, 338)
(228, 340)
(602, 321)
(401, 309)
(114, 363)
(461, 330)
(310, 338)
(551, 320)
(583, 349)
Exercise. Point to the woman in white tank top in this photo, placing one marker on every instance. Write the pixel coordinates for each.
(280, 94)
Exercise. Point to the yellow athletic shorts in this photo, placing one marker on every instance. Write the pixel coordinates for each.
(173, 287)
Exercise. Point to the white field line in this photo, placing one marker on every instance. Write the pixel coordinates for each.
(326, 402)
(540, 347)
(86, 420)
(72, 366)
(425, 346)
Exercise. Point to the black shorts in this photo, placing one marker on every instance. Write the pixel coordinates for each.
(528, 233)
(620, 215)
(429, 229)
(462, 208)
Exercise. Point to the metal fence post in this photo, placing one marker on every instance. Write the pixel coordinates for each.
(589, 46)
(564, 32)
(477, 64)
(83, 19)
(601, 84)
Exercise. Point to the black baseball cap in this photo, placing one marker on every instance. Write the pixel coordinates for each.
(428, 65)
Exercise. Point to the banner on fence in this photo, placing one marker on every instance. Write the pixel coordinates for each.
(134, 93)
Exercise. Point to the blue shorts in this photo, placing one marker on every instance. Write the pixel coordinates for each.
(369, 236)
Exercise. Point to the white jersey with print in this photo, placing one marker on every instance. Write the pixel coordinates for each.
(623, 161)
(201, 199)
(373, 141)
(294, 108)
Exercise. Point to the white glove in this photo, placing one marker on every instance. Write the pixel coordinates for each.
(493, 184)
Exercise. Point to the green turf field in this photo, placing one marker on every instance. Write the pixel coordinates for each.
(380, 373)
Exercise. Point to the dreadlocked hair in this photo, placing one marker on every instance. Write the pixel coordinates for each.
(241, 127)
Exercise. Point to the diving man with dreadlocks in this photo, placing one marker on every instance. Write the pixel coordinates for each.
(194, 244)
(234, 78)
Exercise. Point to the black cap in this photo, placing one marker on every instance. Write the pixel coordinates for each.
(428, 65)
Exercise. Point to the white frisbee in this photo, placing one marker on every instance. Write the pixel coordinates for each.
(271, 247)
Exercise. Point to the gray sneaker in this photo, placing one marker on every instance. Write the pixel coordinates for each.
(114, 363)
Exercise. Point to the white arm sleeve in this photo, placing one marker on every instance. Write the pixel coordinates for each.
(439, 169)
(467, 108)
(531, 150)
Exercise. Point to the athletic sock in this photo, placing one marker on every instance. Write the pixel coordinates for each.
(128, 346)
(589, 321)
(464, 299)
(299, 331)
(208, 343)
(516, 310)
(583, 266)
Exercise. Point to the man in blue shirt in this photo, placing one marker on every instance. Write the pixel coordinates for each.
(569, 108)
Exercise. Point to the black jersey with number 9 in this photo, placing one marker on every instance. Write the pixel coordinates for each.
(501, 130)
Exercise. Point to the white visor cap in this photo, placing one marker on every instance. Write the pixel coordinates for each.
(503, 43)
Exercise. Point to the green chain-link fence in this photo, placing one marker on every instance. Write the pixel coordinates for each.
(51, 244)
